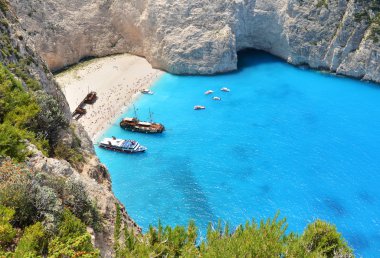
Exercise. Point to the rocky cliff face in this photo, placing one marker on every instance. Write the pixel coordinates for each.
(19, 56)
(203, 36)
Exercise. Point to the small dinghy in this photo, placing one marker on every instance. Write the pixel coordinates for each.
(147, 91)
(198, 107)
(217, 98)
(209, 92)
(225, 89)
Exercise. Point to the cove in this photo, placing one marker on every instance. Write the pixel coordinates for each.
(284, 139)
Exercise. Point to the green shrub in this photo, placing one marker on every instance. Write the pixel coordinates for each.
(41, 197)
(322, 3)
(7, 232)
(33, 84)
(32, 243)
(18, 112)
(4, 6)
(72, 155)
(12, 143)
(264, 239)
(15, 193)
(72, 239)
(76, 199)
(117, 229)
(323, 238)
(51, 118)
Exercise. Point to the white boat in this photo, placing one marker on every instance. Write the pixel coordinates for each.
(147, 91)
(209, 92)
(198, 107)
(225, 89)
(217, 98)
(127, 146)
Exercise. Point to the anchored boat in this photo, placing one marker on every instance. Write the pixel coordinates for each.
(127, 146)
(199, 107)
(147, 91)
(135, 125)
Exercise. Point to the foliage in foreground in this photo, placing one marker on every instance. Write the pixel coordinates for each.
(37, 196)
(70, 240)
(264, 239)
(17, 112)
(32, 116)
(44, 214)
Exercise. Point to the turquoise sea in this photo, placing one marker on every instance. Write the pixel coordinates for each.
(284, 139)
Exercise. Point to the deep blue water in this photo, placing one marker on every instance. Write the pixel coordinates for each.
(284, 139)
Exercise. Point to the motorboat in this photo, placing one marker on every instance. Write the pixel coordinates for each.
(217, 98)
(209, 92)
(225, 89)
(147, 91)
(198, 107)
(127, 146)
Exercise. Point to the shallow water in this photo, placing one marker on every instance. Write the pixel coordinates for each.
(284, 139)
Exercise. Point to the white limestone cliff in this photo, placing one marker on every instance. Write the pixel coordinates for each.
(203, 36)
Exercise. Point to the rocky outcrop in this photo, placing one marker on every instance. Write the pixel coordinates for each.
(19, 56)
(95, 178)
(203, 37)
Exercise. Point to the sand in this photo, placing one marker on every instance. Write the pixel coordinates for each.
(117, 80)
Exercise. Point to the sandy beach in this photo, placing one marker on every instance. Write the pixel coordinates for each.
(117, 80)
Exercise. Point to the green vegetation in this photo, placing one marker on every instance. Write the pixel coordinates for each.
(72, 239)
(18, 110)
(117, 230)
(33, 241)
(264, 239)
(7, 232)
(42, 197)
(322, 3)
(4, 5)
(375, 31)
(70, 153)
(371, 15)
(44, 214)
(32, 116)
(27, 113)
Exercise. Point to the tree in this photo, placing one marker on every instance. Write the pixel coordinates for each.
(322, 238)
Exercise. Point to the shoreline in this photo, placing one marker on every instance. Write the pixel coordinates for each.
(117, 80)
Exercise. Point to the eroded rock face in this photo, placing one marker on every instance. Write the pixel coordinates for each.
(95, 178)
(91, 173)
(203, 36)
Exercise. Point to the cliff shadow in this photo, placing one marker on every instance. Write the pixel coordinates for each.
(252, 57)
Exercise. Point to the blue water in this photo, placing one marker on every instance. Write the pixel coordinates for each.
(284, 139)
